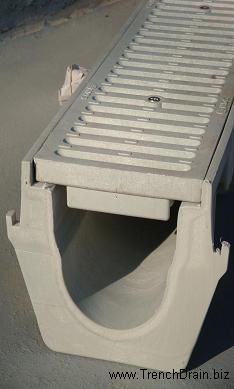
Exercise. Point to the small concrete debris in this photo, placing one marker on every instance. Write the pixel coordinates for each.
(75, 74)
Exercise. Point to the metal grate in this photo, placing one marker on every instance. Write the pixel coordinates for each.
(157, 106)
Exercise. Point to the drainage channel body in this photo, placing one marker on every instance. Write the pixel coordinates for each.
(123, 234)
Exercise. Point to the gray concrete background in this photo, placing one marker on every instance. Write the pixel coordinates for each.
(31, 70)
(14, 12)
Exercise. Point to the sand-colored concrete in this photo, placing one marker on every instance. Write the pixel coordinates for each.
(31, 70)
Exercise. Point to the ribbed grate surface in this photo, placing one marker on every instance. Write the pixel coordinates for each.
(178, 56)
(159, 104)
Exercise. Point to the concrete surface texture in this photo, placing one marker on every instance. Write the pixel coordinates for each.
(13, 12)
(32, 69)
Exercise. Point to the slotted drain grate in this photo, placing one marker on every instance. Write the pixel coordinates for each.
(156, 105)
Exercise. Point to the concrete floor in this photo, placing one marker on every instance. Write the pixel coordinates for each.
(14, 12)
(31, 70)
